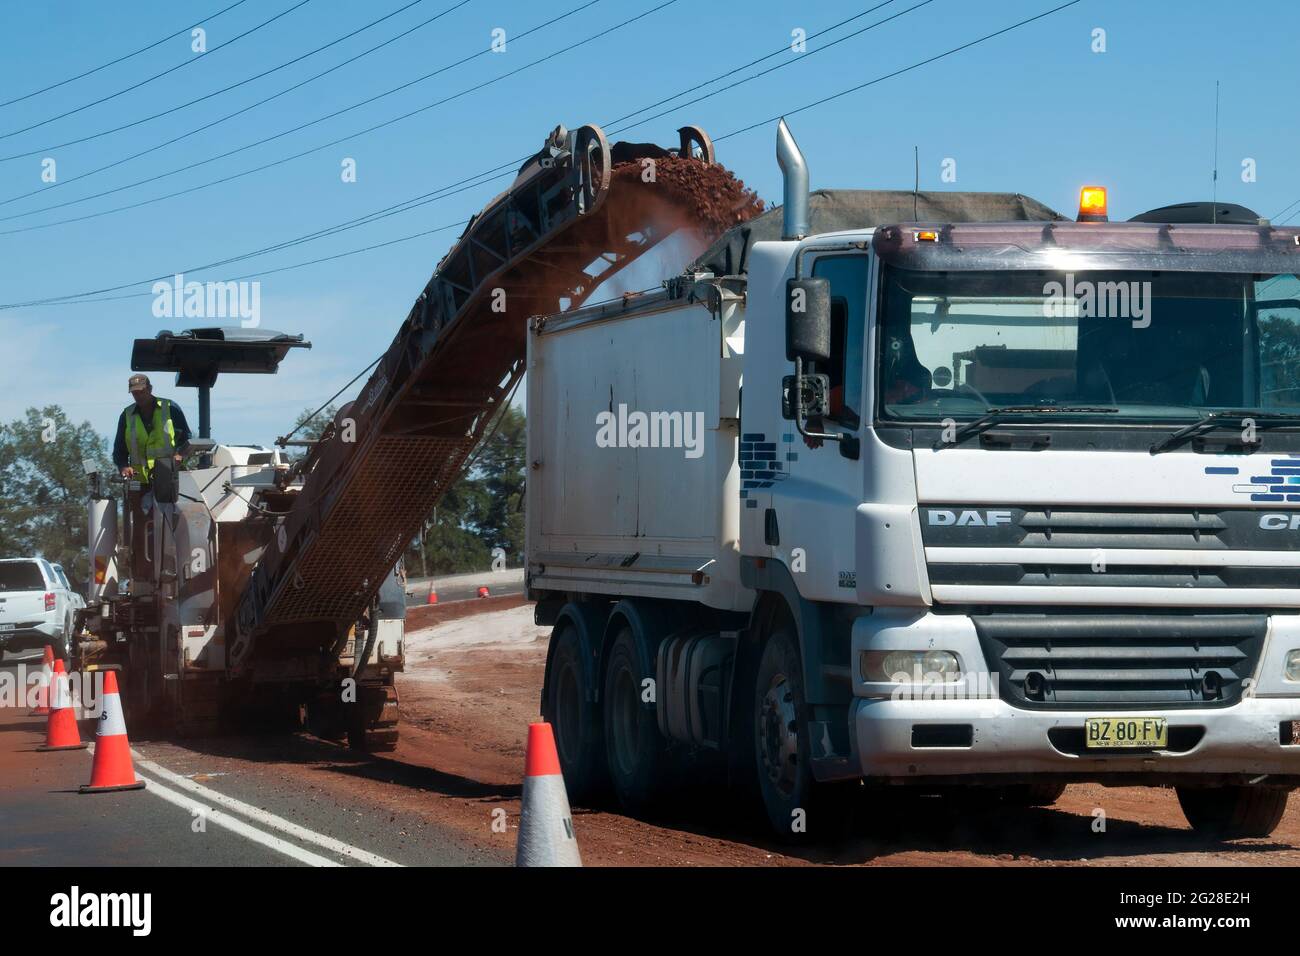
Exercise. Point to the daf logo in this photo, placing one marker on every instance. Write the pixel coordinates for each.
(967, 519)
(1279, 522)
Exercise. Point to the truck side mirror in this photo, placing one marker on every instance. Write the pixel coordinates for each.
(808, 319)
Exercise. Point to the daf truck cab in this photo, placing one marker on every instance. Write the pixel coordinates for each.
(984, 497)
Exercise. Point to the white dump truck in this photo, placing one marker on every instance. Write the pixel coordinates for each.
(934, 490)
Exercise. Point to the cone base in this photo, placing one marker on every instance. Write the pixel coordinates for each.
(87, 788)
(46, 748)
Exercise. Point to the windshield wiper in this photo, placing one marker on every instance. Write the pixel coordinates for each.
(994, 415)
(1214, 420)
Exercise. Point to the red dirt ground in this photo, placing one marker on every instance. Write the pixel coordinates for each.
(473, 685)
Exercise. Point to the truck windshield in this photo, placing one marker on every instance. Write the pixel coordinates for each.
(21, 576)
(1137, 346)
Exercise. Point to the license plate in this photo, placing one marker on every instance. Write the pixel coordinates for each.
(1147, 732)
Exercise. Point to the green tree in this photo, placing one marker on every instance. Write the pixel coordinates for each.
(43, 488)
(308, 427)
(501, 471)
(483, 510)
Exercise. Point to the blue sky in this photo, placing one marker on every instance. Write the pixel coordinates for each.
(1034, 111)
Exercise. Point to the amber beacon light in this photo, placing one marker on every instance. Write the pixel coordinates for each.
(1092, 204)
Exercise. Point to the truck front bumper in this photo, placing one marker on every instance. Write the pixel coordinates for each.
(967, 732)
(973, 738)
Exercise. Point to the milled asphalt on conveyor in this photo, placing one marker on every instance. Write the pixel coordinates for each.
(277, 820)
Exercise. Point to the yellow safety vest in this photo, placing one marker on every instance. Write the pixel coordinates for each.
(157, 440)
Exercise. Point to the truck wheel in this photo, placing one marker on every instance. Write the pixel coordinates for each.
(1232, 813)
(1033, 794)
(798, 808)
(635, 751)
(571, 711)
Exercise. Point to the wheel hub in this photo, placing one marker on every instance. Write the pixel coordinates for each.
(778, 731)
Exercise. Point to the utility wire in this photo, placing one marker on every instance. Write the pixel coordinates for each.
(368, 100)
(298, 155)
(770, 69)
(120, 59)
(228, 116)
(783, 50)
(315, 149)
(422, 200)
(907, 69)
(321, 146)
(136, 86)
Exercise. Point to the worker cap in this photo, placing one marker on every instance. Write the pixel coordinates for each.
(137, 383)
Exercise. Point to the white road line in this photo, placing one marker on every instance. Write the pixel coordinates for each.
(258, 815)
(238, 826)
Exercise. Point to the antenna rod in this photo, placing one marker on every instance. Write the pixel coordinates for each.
(1214, 182)
(916, 181)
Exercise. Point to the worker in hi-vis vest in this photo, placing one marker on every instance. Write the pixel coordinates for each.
(147, 429)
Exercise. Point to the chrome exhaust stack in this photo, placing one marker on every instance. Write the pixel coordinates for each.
(794, 175)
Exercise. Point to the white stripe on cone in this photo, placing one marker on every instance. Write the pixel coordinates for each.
(111, 722)
(62, 699)
(546, 826)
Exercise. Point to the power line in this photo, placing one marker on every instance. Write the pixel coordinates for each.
(334, 142)
(900, 72)
(744, 66)
(379, 96)
(770, 69)
(275, 247)
(289, 268)
(1283, 211)
(443, 192)
(120, 59)
(396, 209)
(228, 116)
(136, 86)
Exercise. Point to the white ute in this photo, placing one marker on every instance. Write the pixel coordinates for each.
(37, 606)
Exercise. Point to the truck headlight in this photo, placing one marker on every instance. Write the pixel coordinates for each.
(908, 667)
(1292, 669)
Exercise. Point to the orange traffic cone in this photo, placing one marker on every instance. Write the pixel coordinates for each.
(61, 729)
(43, 689)
(112, 769)
(483, 592)
(433, 595)
(545, 825)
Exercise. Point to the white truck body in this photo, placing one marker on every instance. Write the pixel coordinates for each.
(1175, 608)
(625, 460)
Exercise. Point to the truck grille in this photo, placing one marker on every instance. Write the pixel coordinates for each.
(1037, 548)
(1116, 660)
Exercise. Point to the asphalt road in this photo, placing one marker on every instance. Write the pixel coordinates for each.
(461, 587)
(202, 806)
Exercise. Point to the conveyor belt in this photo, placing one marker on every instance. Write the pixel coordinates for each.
(397, 449)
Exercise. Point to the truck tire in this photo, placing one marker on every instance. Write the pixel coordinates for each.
(797, 807)
(1232, 813)
(571, 710)
(635, 752)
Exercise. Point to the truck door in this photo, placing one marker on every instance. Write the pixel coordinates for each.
(816, 506)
